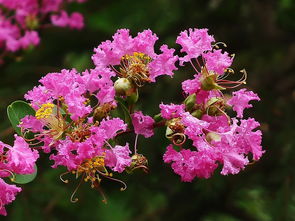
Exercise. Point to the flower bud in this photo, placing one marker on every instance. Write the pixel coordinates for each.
(32, 22)
(211, 136)
(215, 106)
(138, 161)
(158, 117)
(124, 87)
(190, 102)
(197, 113)
(132, 98)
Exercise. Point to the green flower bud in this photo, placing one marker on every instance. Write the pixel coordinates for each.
(32, 22)
(158, 117)
(197, 113)
(132, 98)
(124, 87)
(190, 102)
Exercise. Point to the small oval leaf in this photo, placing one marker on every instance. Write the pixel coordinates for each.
(23, 179)
(18, 110)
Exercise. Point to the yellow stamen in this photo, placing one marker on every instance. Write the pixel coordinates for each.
(44, 111)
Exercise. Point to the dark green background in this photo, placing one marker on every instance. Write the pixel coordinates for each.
(260, 33)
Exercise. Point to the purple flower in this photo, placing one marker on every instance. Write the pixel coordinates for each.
(143, 124)
(169, 111)
(194, 43)
(7, 195)
(241, 99)
(118, 158)
(138, 53)
(217, 61)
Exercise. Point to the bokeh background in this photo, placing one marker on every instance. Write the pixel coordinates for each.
(259, 32)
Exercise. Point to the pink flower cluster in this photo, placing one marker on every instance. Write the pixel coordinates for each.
(216, 137)
(20, 20)
(19, 159)
(137, 52)
(79, 116)
(73, 121)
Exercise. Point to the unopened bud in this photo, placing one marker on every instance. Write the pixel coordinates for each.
(158, 118)
(124, 87)
(133, 98)
(32, 22)
(197, 113)
(211, 136)
(190, 102)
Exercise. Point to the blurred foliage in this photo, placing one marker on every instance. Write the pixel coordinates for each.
(259, 32)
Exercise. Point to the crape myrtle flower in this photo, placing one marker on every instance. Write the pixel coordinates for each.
(75, 20)
(19, 159)
(241, 99)
(134, 60)
(143, 124)
(7, 195)
(216, 138)
(20, 21)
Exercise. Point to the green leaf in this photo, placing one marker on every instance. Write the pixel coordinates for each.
(23, 179)
(18, 110)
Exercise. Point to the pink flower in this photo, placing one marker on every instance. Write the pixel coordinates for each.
(143, 124)
(194, 43)
(217, 123)
(110, 128)
(60, 20)
(75, 20)
(69, 85)
(164, 64)
(169, 111)
(189, 164)
(38, 95)
(51, 5)
(63, 83)
(22, 18)
(21, 158)
(250, 140)
(233, 163)
(65, 155)
(217, 61)
(12, 45)
(7, 195)
(98, 79)
(191, 86)
(118, 158)
(145, 41)
(182, 162)
(241, 99)
(204, 96)
(110, 53)
(31, 123)
(194, 128)
(76, 105)
(30, 38)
